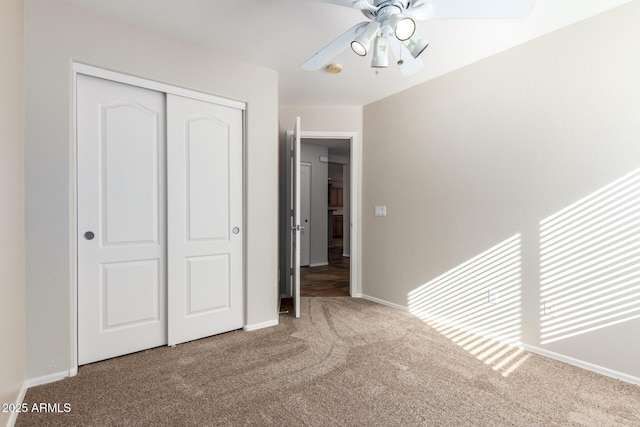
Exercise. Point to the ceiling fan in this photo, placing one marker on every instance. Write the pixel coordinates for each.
(392, 24)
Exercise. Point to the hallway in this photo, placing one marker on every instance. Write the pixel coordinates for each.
(327, 281)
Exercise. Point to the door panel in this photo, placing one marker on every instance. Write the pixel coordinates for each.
(205, 219)
(130, 174)
(208, 283)
(207, 166)
(121, 202)
(130, 293)
(296, 228)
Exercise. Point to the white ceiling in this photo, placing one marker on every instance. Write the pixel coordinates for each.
(282, 34)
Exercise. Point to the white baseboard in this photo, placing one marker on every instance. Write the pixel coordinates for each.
(262, 325)
(319, 264)
(32, 382)
(533, 349)
(582, 364)
(51, 378)
(383, 302)
(19, 400)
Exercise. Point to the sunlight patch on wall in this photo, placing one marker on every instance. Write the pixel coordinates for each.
(590, 262)
(477, 305)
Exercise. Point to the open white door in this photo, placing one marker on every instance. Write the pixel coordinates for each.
(296, 228)
(204, 183)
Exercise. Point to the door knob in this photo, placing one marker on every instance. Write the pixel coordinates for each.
(89, 235)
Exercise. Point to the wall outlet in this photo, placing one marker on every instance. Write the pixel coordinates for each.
(550, 308)
(380, 211)
(493, 296)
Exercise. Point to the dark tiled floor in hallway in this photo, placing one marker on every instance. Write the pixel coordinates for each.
(327, 281)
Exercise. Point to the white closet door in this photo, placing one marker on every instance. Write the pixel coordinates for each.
(205, 271)
(121, 219)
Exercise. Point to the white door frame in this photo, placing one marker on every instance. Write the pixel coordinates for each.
(355, 286)
(73, 218)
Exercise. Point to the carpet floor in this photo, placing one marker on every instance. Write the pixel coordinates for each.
(346, 362)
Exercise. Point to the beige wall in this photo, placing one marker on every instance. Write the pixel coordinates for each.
(57, 34)
(486, 155)
(317, 118)
(12, 330)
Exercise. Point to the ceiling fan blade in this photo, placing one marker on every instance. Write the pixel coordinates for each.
(410, 65)
(419, 9)
(357, 4)
(469, 9)
(332, 50)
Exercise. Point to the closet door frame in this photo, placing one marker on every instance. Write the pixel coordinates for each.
(89, 70)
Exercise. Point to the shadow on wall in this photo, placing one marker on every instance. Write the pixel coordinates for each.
(477, 305)
(589, 279)
(590, 262)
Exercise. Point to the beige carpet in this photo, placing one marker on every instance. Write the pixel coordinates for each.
(347, 362)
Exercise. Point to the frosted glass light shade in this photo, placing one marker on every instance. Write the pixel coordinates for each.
(362, 42)
(403, 26)
(416, 45)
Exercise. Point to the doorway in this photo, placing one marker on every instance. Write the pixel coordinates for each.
(329, 276)
(351, 217)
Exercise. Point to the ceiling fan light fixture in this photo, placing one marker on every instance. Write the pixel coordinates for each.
(361, 44)
(359, 48)
(403, 26)
(416, 45)
(380, 52)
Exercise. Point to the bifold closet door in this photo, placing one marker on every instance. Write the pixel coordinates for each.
(121, 219)
(205, 228)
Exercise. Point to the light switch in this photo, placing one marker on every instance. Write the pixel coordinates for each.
(381, 211)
